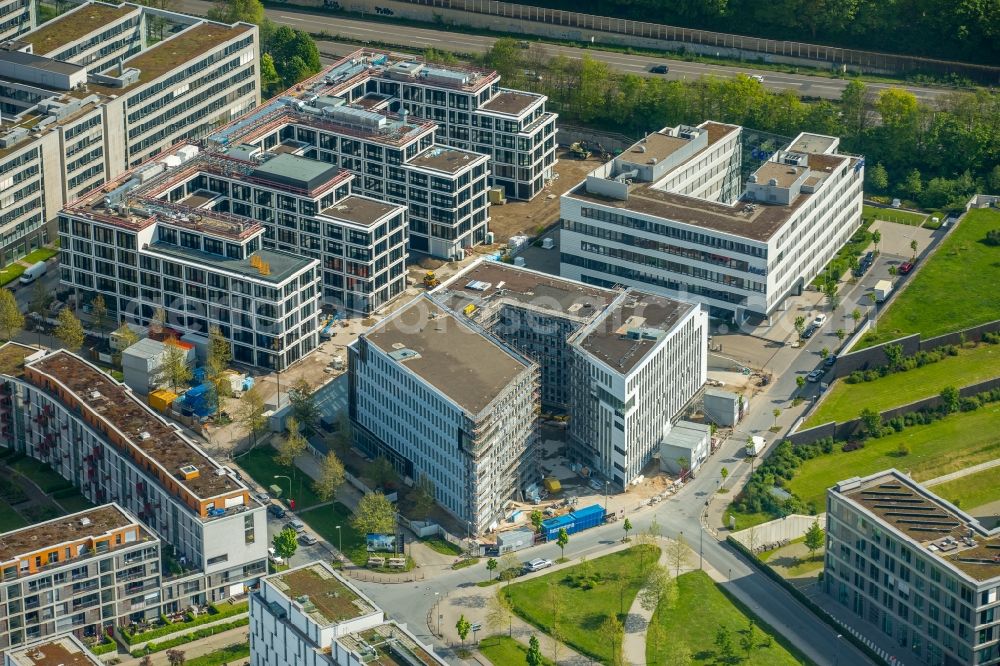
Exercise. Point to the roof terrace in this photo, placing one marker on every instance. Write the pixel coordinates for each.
(448, 160)
(65, 650)
(12, 357)
(75, 25)
(321, 594)
(92, 524)
(388, 645)
(131, 425)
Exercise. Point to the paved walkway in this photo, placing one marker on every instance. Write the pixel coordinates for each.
(636, 623)
(989, 464)
(197, 648)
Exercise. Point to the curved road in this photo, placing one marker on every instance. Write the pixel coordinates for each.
(391, 33)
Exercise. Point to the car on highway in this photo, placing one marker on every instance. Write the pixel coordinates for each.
(537, 565)
(659, 69)
(308, 540)
(905, 267)
(814, 376)
(275, 511)
(757, 77)
(819, 320)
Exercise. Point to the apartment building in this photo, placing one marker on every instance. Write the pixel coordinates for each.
(442, 398)
(622, 363)
(81, 573)
(313, 616)
(171, 235)
(65, 649)
(94, 432)
(394, 157)
(675, 214)
(16, 17)
(914, 569)
(88, 95)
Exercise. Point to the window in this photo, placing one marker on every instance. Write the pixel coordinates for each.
(218, 559)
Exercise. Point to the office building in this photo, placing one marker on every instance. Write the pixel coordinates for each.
(442, 398)
(914, 570)
(695, 213)
(88, 95)
(622, 363)
(172, 234)
(16, 17)
(64, 650)
(91, 430)
(81, 573)
(334, 119)
(312, 616)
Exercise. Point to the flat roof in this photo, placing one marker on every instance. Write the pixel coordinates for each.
(74, 25)
(147, 433)
(389, 645)
(907, 507)
(448, 160)
(280, 265)
(12, 355)
(362, 210)
(657, 145)
(39, 62)
(637, 321)
(299, 172)
(812, 143)
(511, 102)
(65, 650)
(321, 594)
(431, 342)
(783, 174)
(90, 524)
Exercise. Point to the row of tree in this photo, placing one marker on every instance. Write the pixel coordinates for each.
(935, 154)
(967, 30)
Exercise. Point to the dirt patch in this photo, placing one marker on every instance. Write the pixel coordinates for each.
(527, 217)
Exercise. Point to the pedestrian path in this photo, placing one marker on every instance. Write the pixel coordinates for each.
(636, 623)
(197, 648)
(989, 464)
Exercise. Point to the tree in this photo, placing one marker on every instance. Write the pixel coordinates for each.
(175, 657)
(99, 313)
(561, 541)
(41, 298)
(11, 319)
(913, 246)
(815, 537)
(841, 334)
(269, 78)
(174, 370)
(724, 641)
(158, 320)
(876, 238)
(220, 354)
(627, 526)
(660, 588)
(878, 177)
(893, 271)
(800, 325)
(294, 54)
(232, 11)
(776, 413)
(683, 463)
(856, 316)
(800, 381)
(499, 613)
(913, 185)
(491, 565)
(824, 353)
(679, 655)
(331, 477)
(747, 639)
(894, 355)
(285, 543)
(677, 553)
(462, 627)
(304, 407)
(381, 472)
(69, 331)
(505, 56)
(950, 399)
(509, 566)
(250, 413)
(611, 630)
(126, 336)
(536, 520)
(534, 654)
(724, 473)
(421, 498)
(146, 661)
(375, 515)
(872, 421)
(830, 291)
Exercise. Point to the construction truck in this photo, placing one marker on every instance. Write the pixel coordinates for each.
(579, 150)
(430, 280)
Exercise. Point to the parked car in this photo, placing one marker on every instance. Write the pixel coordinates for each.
(869, 258)
(296, 524)
(537, 564)
(274, 557)
(905, 267)
(659, 69)
(830, 360)
(808, 333)
(819, 320)
(275, 510)
(308, 540)
(757, 77)
(263, 498)
(814, 376)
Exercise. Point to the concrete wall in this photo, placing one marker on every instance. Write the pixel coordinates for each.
(789, 527)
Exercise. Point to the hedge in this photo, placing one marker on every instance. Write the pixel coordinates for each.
(803, 599)
(105, 647)
(214, 614)
(188, 638)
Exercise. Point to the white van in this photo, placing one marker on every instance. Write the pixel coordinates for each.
(33, 272)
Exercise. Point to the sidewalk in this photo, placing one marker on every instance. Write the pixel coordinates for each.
(989, 464)
(636, 623)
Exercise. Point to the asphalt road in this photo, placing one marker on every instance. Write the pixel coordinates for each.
(803, 85)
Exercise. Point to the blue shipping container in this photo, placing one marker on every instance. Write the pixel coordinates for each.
(577, 521)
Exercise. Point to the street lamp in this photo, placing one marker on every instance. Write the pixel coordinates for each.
(282, 476)
(340, 540)
(606, 482)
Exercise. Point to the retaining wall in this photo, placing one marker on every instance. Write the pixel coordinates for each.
(789, 527)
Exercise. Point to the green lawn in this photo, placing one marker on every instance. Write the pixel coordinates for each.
(745, 520)
(845, 401)
(236, 652)
(582, 611)
(41, 254)
(701, 609)
(443, 546)
(953, 443)
(43, 475)
(10, 519)
(260, 464)
(955, 289)
(505, 651)
(325, 519)
(74, 503)
(971, 491)
(892, 215)
(10, 273)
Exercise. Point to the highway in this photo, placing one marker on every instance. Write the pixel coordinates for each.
(390, 33)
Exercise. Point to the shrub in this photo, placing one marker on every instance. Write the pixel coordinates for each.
(991, 338)
(993, 237)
